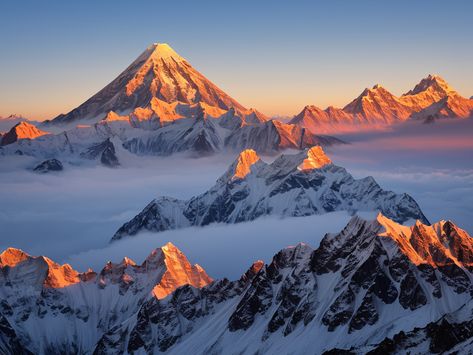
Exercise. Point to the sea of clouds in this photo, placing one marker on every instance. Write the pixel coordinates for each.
(71, 216)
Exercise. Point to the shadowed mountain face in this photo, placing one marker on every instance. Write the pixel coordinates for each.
(366, 283)
(304, 184)
(375, 286)
(431, 99)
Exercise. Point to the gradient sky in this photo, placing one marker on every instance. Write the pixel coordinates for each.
(276, 56)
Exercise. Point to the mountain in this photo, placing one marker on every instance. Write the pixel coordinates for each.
(303, 184)
(451, 334)
(429, 90)
(49, 308)
(375, 286)
(371, 281)
(160, 105)
(322, 121)
(6, 123)
(377, 105)
(452, 106)
(159, 72)
(432, 98)
(22, 130)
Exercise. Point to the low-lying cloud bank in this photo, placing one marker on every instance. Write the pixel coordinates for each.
(71, 216)
(222, 250)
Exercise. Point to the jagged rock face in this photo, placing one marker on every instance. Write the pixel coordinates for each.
(359, 287)
(292, 186)
(22, 130)
(160, 73)
(198, 136)
(105, 151)
(68, 310)
(273, 136)
(431, 99)
(48, 165)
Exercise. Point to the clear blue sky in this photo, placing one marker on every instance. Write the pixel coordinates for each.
(276, 56)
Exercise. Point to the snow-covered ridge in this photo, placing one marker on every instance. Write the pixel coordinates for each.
(303, 184)
(359, 287)
(70, 310)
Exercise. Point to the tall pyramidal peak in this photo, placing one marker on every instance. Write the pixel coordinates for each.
(179, 271)
(159, 72)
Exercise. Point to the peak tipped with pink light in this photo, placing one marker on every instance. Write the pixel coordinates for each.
(22, 130)
(163, 51)
(179, 272)
(316, 159)
(246, 159)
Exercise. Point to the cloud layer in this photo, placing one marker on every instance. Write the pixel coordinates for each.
(71, 216)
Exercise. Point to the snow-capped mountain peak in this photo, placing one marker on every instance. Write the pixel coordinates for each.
(38, 272)
(242, 165)
(22, 130)
(163, 51)
(12, 256)
(434, 83)
(159, 72)
(316, 159)
(178, 272)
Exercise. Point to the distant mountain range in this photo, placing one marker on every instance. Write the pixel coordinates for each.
(161, 105)
(430, 100)
(376, 287)
(303, 184)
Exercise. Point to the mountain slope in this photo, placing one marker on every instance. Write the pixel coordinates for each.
(52, 308)
(160, 105)
(368, 282)
(293, 185)
(377, 105)
(159, 72)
